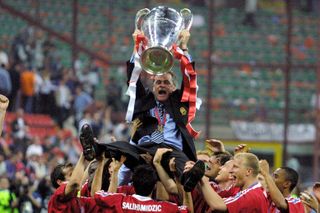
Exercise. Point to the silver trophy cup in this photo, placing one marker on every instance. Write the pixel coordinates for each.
(161, 27)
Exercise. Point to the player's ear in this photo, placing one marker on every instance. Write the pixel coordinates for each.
(249, 171)
(287, 184)
(59, 182)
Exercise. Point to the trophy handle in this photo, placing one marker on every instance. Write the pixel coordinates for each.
(187, 18)
(139, 17)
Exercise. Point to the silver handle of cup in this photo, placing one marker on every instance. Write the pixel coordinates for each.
(139, 17)
(187, 18)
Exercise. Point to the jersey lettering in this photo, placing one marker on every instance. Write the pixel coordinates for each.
(141, 207)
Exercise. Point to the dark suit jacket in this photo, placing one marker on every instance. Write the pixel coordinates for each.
(178, 110)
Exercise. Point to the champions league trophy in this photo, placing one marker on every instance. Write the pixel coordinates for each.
(161, 27)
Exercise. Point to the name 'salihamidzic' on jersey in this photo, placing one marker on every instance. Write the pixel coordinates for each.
(141, 207)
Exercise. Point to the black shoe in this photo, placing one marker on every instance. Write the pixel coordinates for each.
(191, 178)
(87, 142)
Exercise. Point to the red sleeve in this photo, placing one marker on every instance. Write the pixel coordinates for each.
(252, 201)
(173, 198)
(172, 207)
(295, 205)
(109, 200)
(59, 202)
(85, 190)
(229, 192)
(183, 209)
(59, 194)
(128, 190)
(89, 204)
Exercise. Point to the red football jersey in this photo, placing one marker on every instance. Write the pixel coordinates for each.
(199, 203)
(60, 203)
(126, 189)
(295, 205)
(118, 202)
(85, 192)
(252, 199)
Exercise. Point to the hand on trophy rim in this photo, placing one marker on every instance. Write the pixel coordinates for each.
(136, 33)
(184, 38)
(134, 36)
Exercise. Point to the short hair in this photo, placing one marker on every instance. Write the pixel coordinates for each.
(173, 75)
(58, 174)
(144, 179)
(165, 161)
(222, 157)
(251, 161)
(203, 152)
(292, 176)
(106, 176)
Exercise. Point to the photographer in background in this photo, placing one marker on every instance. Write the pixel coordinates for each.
(29, 201)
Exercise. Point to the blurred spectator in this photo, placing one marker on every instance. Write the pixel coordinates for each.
(81, 102)
(89, 78)
(28, 82)
(36, 51)
(44, 190)
(3, 169)
(19, 126)
(5, 81)
(97, 124)
(14, 73)
(20, 45)
(47, 101)
(114, 91)
(35, 167)
(35, 148)
(250, 10)
(63, 98)
(11, 166)
(7, 199)
(121, 132)
(29, 200)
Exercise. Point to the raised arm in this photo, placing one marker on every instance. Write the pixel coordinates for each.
(130, 67)
(168, 183)
(186, 196)
(114, 175)
(4, 102)
(275, 194)
(75, 180)
(214, 201)
(214, 145)
(183, 41)
(97, 180)
(211, 197)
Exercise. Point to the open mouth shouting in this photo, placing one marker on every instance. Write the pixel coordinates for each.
(162, 94)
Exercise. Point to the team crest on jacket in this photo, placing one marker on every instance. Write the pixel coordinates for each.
(183, 111)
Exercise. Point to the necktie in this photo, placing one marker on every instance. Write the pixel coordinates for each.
(157, 135)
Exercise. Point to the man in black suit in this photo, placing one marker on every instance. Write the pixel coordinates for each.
(160, 120)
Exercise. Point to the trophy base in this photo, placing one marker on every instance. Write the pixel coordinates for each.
(156, 60)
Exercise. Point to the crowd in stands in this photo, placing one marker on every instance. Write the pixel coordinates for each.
(35, 81)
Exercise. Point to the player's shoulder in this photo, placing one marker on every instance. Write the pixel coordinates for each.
(103, 193)
(293, 200)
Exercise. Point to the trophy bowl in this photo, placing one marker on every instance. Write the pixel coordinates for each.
(161, 27)
(156, 60)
